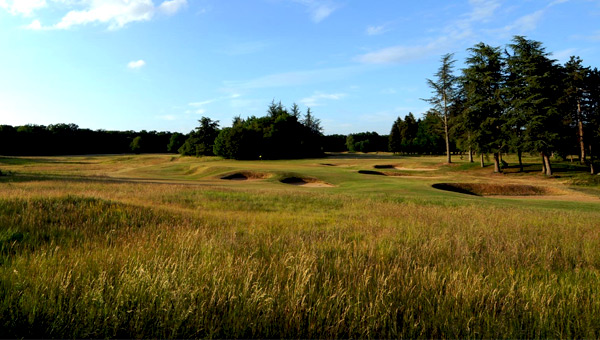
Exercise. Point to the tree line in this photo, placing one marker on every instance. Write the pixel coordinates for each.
(513, 99)
(70, 139)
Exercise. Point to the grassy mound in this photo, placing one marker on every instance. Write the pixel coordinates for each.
(245, 175)
(485, 189)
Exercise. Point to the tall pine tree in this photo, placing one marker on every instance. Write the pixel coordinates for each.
(443, 96)
(484, 112)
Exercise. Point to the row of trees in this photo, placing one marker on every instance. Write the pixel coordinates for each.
(512, 100)
(69, 139)
(282, 133)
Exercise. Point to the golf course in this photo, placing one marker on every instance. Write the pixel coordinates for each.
(351, 245)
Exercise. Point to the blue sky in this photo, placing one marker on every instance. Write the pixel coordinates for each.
(161, 65)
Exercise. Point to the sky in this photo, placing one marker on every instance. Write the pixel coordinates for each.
(162, 65)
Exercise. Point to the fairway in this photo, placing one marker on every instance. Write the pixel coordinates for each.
(350, 245)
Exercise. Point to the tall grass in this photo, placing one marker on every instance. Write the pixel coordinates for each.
(83, 255)
(87, 259)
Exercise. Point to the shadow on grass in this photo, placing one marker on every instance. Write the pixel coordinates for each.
(453, 188)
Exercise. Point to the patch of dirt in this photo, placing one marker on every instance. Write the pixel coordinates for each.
(245, 176)
(485, 189)
(306, 182)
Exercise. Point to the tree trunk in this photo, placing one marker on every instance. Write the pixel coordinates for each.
(547, 164)
(448, 156)
(482, 163)
(470, 155)
(592, 170)
(580, 134)
(520, 155)
(497, 163)
(543, 163)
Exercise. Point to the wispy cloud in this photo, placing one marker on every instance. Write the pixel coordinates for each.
(202, 103)
(136, 64)
(557, 2)
(22, 7)
(376, 30)
(295, 78)
(594, 36)
(318, 9)
(564, 55)
(523, 24)
(171, 7)
(482, 10)
(318, 98)
(401, 53)
(458, 30)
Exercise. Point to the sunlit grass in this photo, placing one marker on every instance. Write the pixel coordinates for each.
(96, 256)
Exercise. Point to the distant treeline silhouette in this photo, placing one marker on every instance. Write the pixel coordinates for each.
(69, 139)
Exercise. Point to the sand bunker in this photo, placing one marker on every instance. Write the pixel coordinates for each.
(246, 176)
(398, 167)
(371, 172)
(413, 169)
(306, 182)
(483, 189)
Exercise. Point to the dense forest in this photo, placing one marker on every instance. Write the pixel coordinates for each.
(512, 99)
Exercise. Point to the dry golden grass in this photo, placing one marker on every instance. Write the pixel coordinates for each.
(166, 256)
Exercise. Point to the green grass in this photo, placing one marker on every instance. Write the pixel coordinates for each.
(89, 250)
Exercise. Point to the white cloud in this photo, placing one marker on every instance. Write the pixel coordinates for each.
(317, 98)
(318, 9)
(22, 7)
(171, 7)
(35, 25)
(136, 64)
(376, 30)
(115, 13)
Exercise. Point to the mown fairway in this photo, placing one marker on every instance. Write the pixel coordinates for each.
(160, 246)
